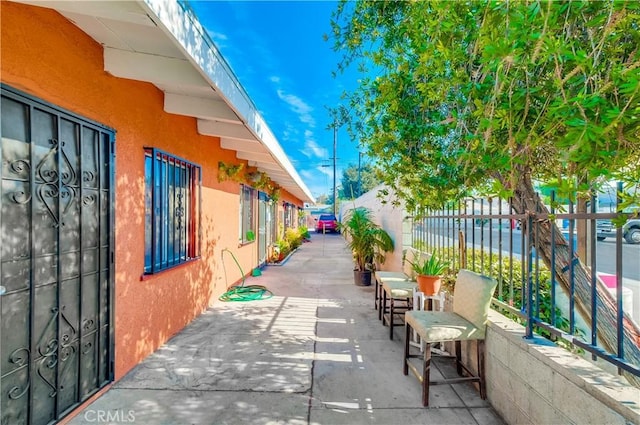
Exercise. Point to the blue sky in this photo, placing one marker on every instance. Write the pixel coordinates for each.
(277, 51)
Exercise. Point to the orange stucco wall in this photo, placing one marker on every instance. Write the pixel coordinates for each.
(46, 56)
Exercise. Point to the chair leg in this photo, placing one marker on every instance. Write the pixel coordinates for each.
(391, 305)
(459, 357)
(480, 351)
(375, 296)
(383, 306)
(405, 365)
(426, 372)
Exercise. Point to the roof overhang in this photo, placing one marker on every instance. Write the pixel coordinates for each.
(162, 42)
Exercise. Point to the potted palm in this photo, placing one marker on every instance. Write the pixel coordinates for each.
(368, 243)
(429, 270)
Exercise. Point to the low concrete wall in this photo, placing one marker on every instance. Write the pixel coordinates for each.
(536, 382)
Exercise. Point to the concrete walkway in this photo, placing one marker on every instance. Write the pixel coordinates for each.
(315, 353)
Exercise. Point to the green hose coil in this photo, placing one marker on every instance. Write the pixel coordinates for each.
(246, 293)
(241, 292)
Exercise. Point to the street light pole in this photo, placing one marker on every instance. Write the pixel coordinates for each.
(335, 148)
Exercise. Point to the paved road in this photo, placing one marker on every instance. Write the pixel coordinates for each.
(605, 250)
(606, 257)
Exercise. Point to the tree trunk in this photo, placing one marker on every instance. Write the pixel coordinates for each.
(527, 201)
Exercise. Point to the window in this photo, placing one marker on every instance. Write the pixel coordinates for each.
(289, 220)
(273, 210)
(247, 226)
(172, 210)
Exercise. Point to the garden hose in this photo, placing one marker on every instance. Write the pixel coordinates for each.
(241, 292)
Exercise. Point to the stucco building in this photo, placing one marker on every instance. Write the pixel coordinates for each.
(117, 119)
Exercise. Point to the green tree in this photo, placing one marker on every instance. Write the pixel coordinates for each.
(355, 183)
(488, 96)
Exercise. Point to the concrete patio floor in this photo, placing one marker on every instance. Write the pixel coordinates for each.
(315, 353)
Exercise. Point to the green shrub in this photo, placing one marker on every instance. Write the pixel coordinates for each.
(282, 249)
(304, 232)
(294, 238)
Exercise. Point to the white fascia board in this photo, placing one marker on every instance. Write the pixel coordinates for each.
(188, 33)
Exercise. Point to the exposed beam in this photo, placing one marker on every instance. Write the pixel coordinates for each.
(273, 176)
(152, 68)
(262, 157)
(266, 165)
(290, 187)
(199, 107)
(242, 145)
(275, 173)
(224, 129)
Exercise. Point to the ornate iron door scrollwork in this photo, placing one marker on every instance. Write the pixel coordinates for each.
(55, 260)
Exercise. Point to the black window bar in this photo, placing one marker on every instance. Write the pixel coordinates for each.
(172, 210)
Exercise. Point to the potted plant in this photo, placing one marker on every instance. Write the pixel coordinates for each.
(281, 249)
(368, 243)
(429, 271)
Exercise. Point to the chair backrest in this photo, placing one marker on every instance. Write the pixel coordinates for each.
(472, 296)
(410, 256)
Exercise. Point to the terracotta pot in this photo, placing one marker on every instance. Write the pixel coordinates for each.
(429, 285)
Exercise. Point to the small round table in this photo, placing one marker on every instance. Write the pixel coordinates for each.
(425, 302)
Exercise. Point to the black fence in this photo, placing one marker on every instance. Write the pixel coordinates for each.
(544, 281)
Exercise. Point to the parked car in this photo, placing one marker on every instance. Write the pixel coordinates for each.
(327, 223)
(607, 202)
(630, 230)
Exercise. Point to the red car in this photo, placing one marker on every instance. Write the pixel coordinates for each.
(327, 223)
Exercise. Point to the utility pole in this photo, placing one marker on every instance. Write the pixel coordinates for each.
(335, 148)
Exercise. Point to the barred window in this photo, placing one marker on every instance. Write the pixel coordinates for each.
(172, 210)
(289, 220)
(247, 223)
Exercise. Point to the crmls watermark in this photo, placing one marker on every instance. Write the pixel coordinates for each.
(110, 416)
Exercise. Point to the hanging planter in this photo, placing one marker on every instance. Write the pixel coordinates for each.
(230, 172)
(259, 180)
(274, 192)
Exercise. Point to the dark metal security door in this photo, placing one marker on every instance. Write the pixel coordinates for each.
(56, 260)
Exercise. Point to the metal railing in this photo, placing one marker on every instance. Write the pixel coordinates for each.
(544, 281)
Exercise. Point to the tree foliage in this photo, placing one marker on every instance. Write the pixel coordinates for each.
(355, 183)
(468, 97)
(457, 96)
